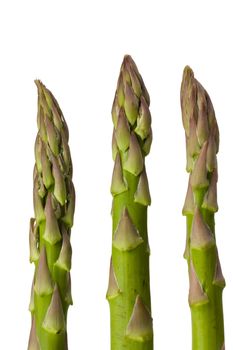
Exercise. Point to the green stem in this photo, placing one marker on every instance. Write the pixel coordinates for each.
(50, 249)
(207, 319)
(131, 269)
(129, 288)
(206, 279)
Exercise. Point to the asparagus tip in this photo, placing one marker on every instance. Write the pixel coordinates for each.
(188, 72)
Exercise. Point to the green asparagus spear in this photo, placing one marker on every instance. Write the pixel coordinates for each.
(129, 289)
(205, 274)
(49, 237)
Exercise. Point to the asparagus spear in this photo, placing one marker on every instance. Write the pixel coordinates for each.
(50, 248)
(129, 290)
(205, 274)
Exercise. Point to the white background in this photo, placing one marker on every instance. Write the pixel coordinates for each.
(76, 49)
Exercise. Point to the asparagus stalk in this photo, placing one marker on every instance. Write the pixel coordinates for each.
(205, 274)
(129, 290)
(50, 248)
